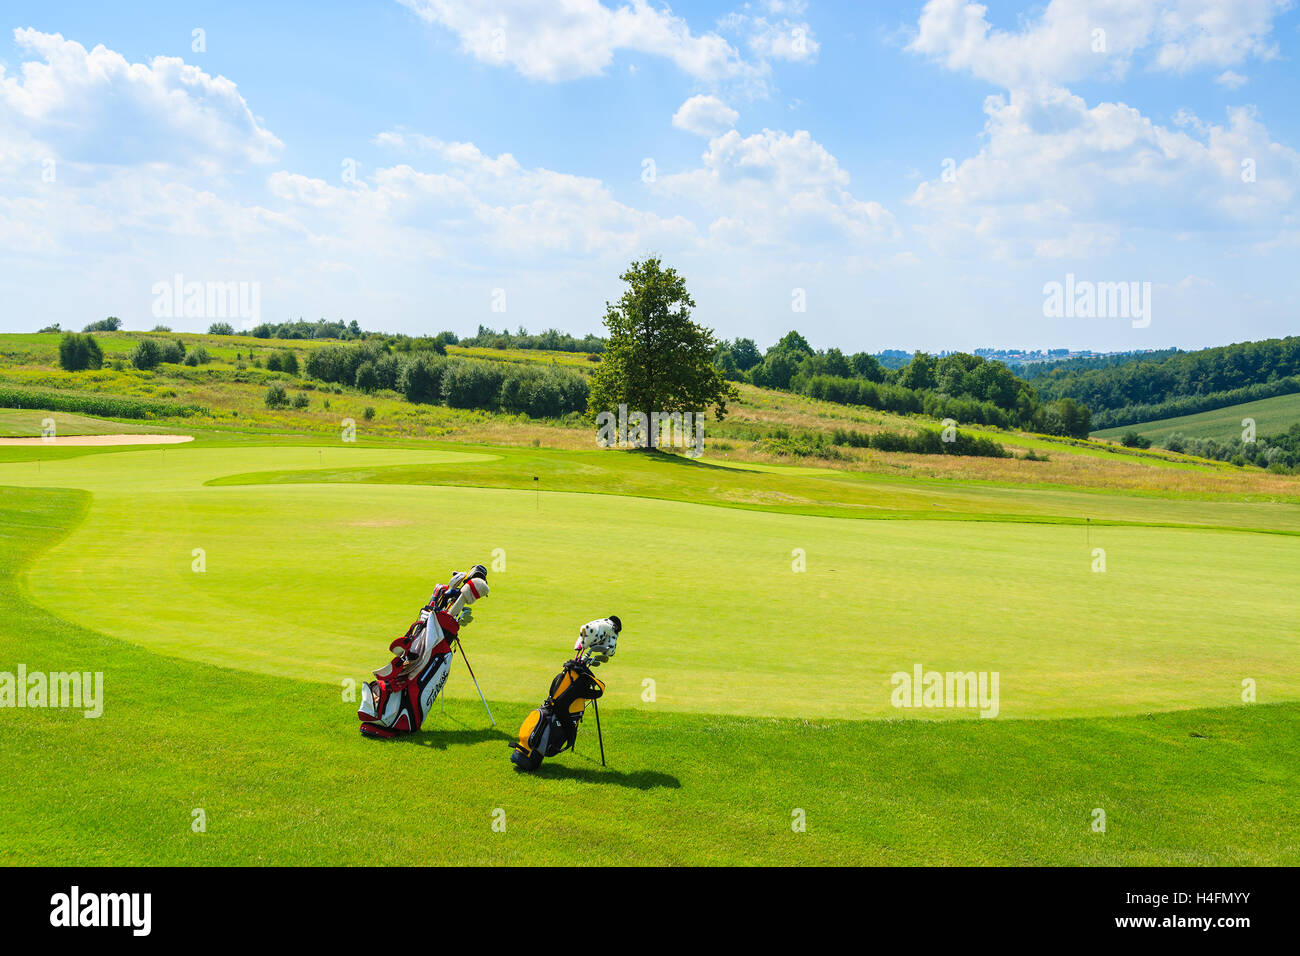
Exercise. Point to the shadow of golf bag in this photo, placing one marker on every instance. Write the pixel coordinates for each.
(553, 728)
(404, 689)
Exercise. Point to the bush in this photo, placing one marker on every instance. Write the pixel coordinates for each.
(276, 397)
(221, 328)
(110, 324)
(77, 353)
(542, 393)
(420, 379)
(927, 441)
(161, 328)
(1134, 440)
(173, 352)
(301, 400)
(289, 362)
(273, 362)
(369, 413)
(471, 385)
(367, 378)
(103, 406)
(147, 354)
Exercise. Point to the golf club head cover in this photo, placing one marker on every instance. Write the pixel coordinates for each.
(600, 637)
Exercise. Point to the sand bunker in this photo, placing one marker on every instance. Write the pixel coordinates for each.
(101, 440)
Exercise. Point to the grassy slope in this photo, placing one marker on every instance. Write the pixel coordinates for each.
(283, 777)
(1272, 417)
(25, 423)
(235, 397)
(798, 490)
(337, 566)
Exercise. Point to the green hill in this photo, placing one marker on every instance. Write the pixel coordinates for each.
(1272, 416)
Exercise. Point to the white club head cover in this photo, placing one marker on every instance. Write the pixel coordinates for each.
(598, 637)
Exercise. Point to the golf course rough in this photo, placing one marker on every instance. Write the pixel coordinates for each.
(769, 683)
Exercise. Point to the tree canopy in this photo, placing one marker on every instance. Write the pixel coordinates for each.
(657, 358)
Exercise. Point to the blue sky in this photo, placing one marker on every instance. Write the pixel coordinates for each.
(912, 174)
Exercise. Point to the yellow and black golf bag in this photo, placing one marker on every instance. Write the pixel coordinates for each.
(553, 728)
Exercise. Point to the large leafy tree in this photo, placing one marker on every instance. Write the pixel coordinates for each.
(657, 358)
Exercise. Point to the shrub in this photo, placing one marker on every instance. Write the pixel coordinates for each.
(110, 324)
(1132, 439)
(542, 393)
(301, 400)
(471, 385)
(147, 354)
(927, 441)
(78, 353)
(103, 406)
(221, 328)
(276, 397)
(369, 413)
(161, 328)
(420, 379)
(173, 352)
(367, 378)
(273, 362)
(289, 362)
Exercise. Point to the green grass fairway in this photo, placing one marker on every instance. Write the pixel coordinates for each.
(282, 777)
(709, 593)
(771, 687)
(1273, 416)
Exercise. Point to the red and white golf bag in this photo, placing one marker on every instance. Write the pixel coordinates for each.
(403, 691)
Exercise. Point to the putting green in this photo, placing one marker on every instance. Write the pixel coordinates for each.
(316, 579)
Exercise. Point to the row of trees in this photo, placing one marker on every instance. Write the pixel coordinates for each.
(551, 340)
(428, 376)
(1275, 452)
(1214, 375)
(1031, 371)
(960, 386)
(1192, 404)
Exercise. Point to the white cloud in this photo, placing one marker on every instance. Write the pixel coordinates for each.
(777, 189)
(97, 107)
(1057, 178)
(1231, 80)
(495, 204)
(555, 40)
(783, 39)
(705, 116)
(1074, 39)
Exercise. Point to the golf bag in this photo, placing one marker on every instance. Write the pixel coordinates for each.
(553, 727)
(404, 689)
